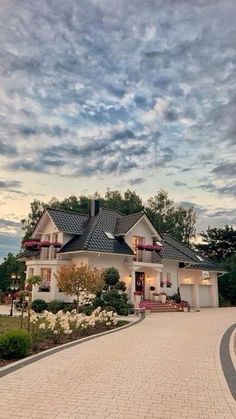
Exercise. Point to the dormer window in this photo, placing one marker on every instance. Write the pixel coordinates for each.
(109, 235)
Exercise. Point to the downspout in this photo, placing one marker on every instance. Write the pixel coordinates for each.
(95, 259)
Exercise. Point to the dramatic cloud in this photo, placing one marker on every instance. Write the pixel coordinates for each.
(136, 90)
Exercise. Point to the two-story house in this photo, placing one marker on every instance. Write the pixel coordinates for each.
(106, 238)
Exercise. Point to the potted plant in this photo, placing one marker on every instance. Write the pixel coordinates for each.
(156, 296)
(152, 289)
(163, 297)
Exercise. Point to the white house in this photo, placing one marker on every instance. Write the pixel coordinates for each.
(106, 238)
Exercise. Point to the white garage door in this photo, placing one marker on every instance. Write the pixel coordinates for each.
(186, 293)
(204, 296)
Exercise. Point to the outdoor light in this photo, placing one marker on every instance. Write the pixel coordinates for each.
(13, 287)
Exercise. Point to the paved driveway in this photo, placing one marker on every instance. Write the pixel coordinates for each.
(164, 367)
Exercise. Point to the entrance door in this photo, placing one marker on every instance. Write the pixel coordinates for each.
(140, 282)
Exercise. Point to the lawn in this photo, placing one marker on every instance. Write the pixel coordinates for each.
(9, 323)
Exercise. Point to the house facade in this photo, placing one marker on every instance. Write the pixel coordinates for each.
(106, 238)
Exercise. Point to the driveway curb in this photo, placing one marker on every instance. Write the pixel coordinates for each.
(34, 358)
(227, 363)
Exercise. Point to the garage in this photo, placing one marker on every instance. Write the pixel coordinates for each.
(186, 292)
(204, 296)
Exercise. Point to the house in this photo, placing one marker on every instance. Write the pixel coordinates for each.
(106, 238)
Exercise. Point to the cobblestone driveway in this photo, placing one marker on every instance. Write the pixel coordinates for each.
(164, 367)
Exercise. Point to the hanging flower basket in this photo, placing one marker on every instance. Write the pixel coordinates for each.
(30, 244)
(149, 247)
(57, 245)
(45, 243)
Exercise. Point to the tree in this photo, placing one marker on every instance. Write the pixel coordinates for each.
(165, 215)
(30, 282)
(128, 203)
(113, 296)
(73, 279)
(11, 266)
(28, 224)
(169, 218)
(218, 243)
(227, 282)
(111, 276)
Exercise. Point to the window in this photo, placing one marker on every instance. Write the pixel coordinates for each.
(45, 252)
(54, 249)
(30, 272)
(161, 279)
(168, 280)
(109, 235)
(46, 275)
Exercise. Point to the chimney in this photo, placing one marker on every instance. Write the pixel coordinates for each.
(95, 206)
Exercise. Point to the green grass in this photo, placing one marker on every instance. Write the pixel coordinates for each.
(10, 323)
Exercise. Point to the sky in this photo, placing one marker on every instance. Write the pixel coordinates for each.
(98, 94)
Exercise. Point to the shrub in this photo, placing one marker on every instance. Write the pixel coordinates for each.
(131, 308)
(111, 276)
(70, 306)
(15, 344)
(88, 310)
(39, 305)
(56, 305)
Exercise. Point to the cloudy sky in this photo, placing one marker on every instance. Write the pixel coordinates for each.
(118, 94)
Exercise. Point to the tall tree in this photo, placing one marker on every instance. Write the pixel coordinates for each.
(169, 218)
(227, 282)
(9, 267)
(128, 203)
(218, 243)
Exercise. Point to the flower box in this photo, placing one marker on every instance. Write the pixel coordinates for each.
(149, 247)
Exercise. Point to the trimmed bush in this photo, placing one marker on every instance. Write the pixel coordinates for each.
(88, 310)
(56, 305)
(39, 306)
(15, 344)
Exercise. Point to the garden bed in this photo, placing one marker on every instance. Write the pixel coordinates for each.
(43, 344)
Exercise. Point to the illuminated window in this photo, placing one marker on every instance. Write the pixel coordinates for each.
(46, 275)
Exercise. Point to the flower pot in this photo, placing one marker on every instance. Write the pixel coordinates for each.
(163, 299)
(137, 299)
(156, 297)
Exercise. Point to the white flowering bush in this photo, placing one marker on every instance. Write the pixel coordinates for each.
(61, 324)
(85, 298)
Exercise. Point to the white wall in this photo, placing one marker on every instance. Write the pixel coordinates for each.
(172, 268)
(142, 229)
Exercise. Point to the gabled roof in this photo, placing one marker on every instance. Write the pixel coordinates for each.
(94, 238)
(126, 222)
(175, 250)
(26, 254)
(68, 221)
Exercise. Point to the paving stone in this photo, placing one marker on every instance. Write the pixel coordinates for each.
(165, 367)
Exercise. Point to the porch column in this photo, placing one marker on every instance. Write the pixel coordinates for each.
(158, 285)
(196, 303)
(132, 287)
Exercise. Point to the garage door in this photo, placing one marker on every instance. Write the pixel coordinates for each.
(186, 293)
(204, 296)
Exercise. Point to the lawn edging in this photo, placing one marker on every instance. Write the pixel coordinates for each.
(14, 366)
(228, 358)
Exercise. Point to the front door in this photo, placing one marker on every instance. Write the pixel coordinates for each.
(140, 282)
